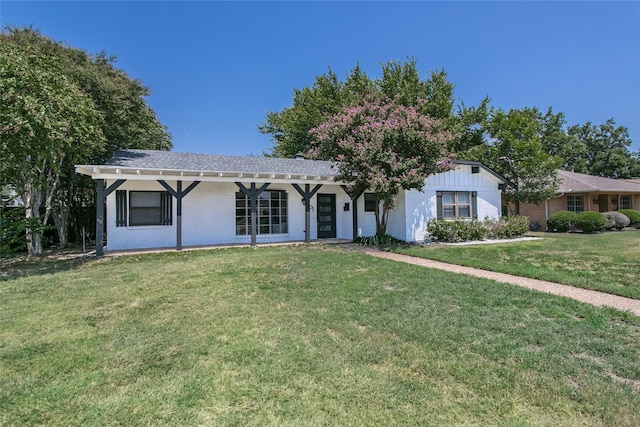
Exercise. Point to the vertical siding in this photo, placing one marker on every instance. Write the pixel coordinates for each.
(420, 207)
(408, 221)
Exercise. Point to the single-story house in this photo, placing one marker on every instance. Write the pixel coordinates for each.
(159, 199)
(581, 192)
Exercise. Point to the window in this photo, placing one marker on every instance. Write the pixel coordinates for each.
(625, 202)
(147, 208)
(369, 202)
(456, 204)
(271, 217)
(575, 203)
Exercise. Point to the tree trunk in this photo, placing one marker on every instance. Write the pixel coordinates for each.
(60, 208)
(32, 200)
(382, 214)
(60, 217)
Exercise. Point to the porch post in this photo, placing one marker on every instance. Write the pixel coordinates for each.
(307, 195)
(179, 195)
(354, 208)
(354, 216)
(101, 195)
(100, 218)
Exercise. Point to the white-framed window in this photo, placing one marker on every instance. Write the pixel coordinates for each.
(624, 202)
(456, 204)
(575, 203)
(272, 216)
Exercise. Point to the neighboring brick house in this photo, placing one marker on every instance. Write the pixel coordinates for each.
(580, 192)
(147, 205)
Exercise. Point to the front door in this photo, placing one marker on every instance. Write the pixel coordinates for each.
(603, 203)
(326, 216)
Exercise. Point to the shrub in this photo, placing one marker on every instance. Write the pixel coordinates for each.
(506, 228)
(616, 220)
(632, 214)
(591, 222)
(561, 222)
(12, 230)
(457, 230)
(460, 230)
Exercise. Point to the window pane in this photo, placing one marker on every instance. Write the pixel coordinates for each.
(145, 199)
(369, 202)
(625, 202)
(463, 198)
(272, 213)
(449, 211)
(145, 208)
(449, 198)
(464, 212)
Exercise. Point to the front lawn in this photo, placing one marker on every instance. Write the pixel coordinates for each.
(304, 336)
(608, 262)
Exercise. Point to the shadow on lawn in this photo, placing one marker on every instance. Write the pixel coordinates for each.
(51, 261)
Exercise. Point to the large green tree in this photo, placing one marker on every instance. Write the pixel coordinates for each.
(125, 119)
(45, 122)
(515, 149)
(384, 146)
(604, 150)
(400, 81)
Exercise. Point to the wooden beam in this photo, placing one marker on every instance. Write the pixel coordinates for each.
(253, 194)
(307, 195)
(354, 195)
(101, 196)
(179, 194)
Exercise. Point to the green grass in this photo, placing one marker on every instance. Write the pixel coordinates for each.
(304, 336)
(608, 262)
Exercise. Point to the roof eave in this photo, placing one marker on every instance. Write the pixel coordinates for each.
(146, 174)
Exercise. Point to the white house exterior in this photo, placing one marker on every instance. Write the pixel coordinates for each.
(160, 199)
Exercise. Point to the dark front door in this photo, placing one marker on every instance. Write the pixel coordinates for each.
(603, 203)
(326, 216)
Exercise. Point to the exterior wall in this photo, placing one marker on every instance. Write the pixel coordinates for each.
(414, 209)
(208, 218)
(538, 213)
(366, 220)
(155, 236)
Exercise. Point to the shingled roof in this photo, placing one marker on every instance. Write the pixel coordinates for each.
(573, 182)
(168, 160)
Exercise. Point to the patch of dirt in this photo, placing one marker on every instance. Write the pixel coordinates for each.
(52, 259)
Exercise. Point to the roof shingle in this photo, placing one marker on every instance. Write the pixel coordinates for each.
(579, 182)
(168, 160)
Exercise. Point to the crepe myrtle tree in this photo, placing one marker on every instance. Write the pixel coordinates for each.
(382, 146)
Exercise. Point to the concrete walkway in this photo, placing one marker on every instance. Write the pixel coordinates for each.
(583, 295)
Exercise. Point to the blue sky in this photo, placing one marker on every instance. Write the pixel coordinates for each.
(216, 68)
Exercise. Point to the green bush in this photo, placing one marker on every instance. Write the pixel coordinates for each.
(460, 230)
(632, 214)
(506, 228)
(591, 222)
(457, 230)
(12, 226)
(561, 222)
